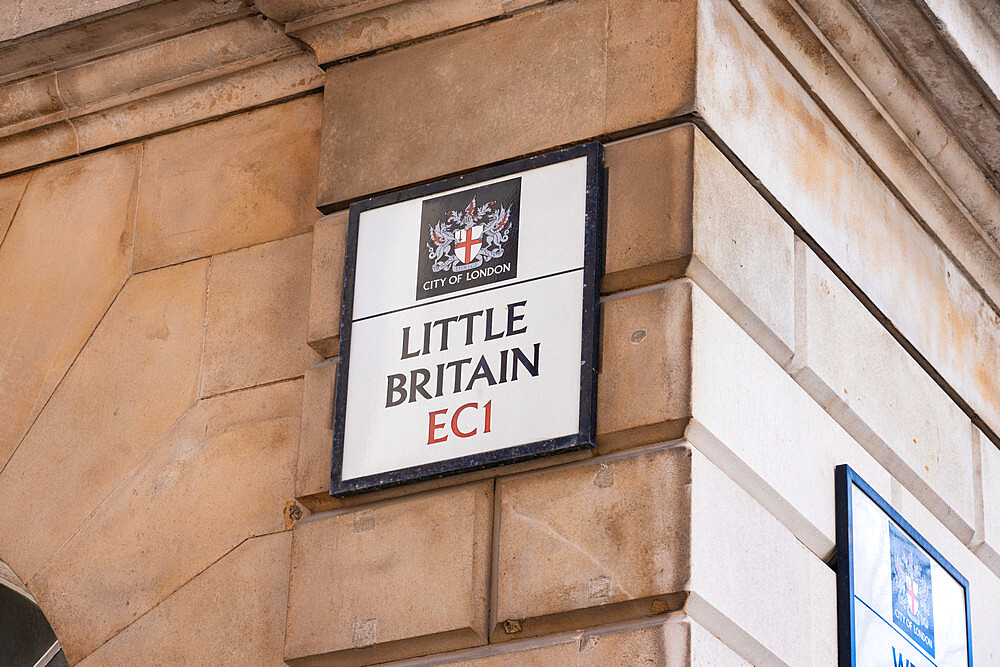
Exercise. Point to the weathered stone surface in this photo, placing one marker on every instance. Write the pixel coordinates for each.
(650, 62)
(356, 598)
(741, 555)
(672, 640)
(233, 613)
(257, 314)
(198, 54)
(561, 653)
(329, 239)
(888, 135)
(11, 190)
(862, 376)
(254, 182)
(312, 476)
(137, 374)
(649, 192)
(23, 99)
(742, 243)
(364, 31)
(162, 111)
(86, 40)
(751, 419)
(62, 262)
(42, 144)
(27, 16)
(592, 542)
(230, 456)
(678, 641)
(988, 547)
(805, 162)
(645, 343)
(532, 81)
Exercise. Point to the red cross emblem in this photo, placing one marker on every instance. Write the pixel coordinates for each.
(911, 593)
(468, 242)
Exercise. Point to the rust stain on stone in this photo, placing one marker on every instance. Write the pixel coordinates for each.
(511, 627)
(293, 514)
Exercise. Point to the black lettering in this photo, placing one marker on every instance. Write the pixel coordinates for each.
(513, 319)
(469, 318)
(418, 385)
(406, 345)
(396, 386)
(489, 326)
(440, 380)
(482, 371)
(519, 356)
(444, 330)
(503, 366)
(427, 338)
(457, 365)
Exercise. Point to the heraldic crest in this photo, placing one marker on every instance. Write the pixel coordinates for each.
(467, 238)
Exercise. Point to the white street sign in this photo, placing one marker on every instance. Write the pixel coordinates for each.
(468, 330)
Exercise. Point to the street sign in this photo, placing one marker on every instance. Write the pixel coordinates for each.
(468, 328)
(899, 601)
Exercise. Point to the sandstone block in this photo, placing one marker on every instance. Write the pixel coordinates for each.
(353, 595)
(532, 81)
(393, 24)
(254, 182)
(870, 384)
(257, 316)
(677, 206)
(582, 68)
(672, 640)
(743, 250)
(49, 142)
(650, 62)
(753, 421)
(11, 190)
(59, 272)
(135, 377)
(988, 547)
(678, 641)
(233, 613)
(328, 255)
(645, 343)
(185, 58)
(649, 181)
(312, 476)
(272, 80)
(231, 456)
(741, 555)
(560, 653)
(592, 543)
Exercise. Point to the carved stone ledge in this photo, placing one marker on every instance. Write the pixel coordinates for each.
(337, 30)
(142, 72)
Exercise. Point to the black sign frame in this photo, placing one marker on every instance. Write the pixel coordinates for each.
(845, 478)
(592, 271)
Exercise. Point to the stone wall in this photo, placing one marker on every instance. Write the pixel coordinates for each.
(792, 282)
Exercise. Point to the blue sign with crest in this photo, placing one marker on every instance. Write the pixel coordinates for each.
(899, 601)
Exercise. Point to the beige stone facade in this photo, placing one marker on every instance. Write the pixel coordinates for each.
(802, 270)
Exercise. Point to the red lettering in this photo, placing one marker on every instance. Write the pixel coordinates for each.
(489, 414)
(433, 426)
(454, 421)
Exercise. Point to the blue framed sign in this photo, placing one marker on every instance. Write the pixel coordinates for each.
(899, 602)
